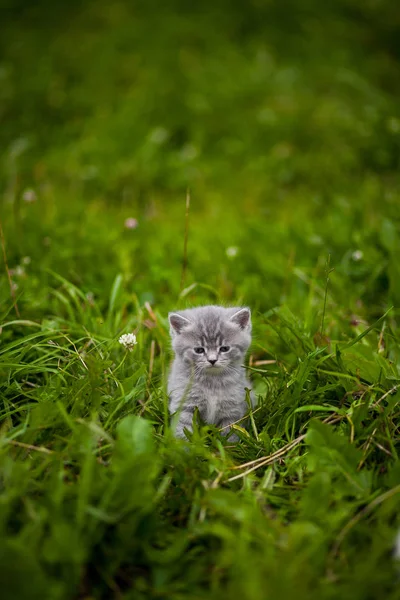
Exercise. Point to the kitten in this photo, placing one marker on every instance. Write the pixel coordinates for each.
(210, 344)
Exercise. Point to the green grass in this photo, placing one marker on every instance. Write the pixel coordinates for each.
(283, 121)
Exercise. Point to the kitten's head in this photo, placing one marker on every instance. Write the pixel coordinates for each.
(212, 338)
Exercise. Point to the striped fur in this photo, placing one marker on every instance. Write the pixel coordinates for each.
(216, 388)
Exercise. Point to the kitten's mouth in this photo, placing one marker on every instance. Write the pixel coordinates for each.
(214, 368)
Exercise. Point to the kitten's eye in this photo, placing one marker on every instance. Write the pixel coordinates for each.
(225, 348)
(199, 350)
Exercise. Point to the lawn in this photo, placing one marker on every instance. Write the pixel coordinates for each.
(160, 155)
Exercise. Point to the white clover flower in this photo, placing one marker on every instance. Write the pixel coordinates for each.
(19, 271)
(128, 340)
(188, 152)
(131, 223)
(29, 195)
(357, 255)
(158, 136)
(232, 251)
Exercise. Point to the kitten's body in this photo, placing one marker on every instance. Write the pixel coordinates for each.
(213, 381)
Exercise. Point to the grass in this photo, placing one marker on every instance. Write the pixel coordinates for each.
(283, 123)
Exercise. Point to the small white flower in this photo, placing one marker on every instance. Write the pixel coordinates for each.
(131, 223)
(18, 147)
(128, 340)
(393, 125)
(158, 136)
(188, 152)
(232, 251)
(357, 255)
(315, 240)
(29, 195)
(26, 260)
(19, 271)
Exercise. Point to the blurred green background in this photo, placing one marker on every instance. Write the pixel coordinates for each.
(282, 120)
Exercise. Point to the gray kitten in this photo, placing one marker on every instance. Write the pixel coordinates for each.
(210, 344)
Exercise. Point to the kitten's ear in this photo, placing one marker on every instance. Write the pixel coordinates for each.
(177, 322)
(242, 318)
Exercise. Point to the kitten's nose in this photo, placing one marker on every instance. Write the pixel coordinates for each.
(212, 360)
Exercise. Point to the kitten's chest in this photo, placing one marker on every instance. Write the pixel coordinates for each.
(214, 406)
(215, 403)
